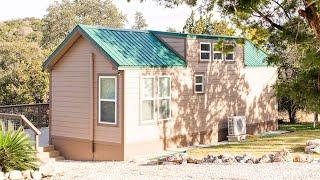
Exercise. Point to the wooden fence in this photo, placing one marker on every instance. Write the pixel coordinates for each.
(37, 114)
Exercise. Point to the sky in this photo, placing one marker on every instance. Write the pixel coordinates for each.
(157, 17)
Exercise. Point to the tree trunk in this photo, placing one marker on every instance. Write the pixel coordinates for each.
(292, 116)
(315, 120)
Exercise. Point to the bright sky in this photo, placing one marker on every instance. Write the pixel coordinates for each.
(157, 17)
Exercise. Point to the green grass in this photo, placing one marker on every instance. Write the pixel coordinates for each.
(294, 141)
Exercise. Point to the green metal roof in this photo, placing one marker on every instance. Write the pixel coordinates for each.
(142, 49)
(253, 55)
(130, 48)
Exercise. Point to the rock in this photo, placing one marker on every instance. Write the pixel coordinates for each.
(36, 175)
(2, 175)
(316, 160)
(217, 161)
(15, 175)
(313, 142)
(228, 159)
(26, 174)
(250, 161)
(312, 149)
(283, 156)
(302, 158)
(265, 159)
(210, 158)
(238, 158)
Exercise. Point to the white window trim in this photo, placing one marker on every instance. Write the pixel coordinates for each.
(147, 99)
(195, 83)
(161, 98)
(108, 100)
(209, 51)
(222, 55)
(234, 47)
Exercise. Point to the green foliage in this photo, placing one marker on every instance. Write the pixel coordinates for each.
(22, 79)
(62, 16)
(205, 25)
(140, 22)
(16, 150)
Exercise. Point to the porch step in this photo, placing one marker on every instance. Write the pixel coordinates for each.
(48, 153)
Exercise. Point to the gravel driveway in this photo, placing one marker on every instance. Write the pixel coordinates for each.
(125, 170)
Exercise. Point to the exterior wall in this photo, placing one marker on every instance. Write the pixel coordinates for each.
(176, 44)
(230, 89)
(74, 106)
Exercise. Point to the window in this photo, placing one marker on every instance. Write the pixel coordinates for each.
(205, 51)
(217, 52)
(107, 99)
(164, 98)
(229, 52)
(147, 99)
(198, 83)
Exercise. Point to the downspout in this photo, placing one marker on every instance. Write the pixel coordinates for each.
(91, 91)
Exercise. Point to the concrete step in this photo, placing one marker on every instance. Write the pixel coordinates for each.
(50, 154)
(46, 148)
(58, 158)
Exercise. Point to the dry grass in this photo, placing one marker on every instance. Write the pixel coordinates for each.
(258, 145)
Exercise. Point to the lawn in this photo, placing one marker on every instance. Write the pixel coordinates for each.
(294, 141)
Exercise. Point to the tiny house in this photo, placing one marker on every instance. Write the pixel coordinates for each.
(118, 93)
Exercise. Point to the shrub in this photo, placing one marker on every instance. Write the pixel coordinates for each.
(16, 150)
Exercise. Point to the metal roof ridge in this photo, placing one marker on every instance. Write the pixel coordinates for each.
(112, 29)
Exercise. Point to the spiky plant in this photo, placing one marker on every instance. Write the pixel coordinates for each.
(16, 150)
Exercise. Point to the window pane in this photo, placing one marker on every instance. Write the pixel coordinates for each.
(107, 111)
(229, 56)
(205, 47)
(147, 87)
(164, 86)
(147, 110)
(205, 55)
(199, 79)
(217, 47)
(107, 88)
(198, 88)
(164, 109)
(217, 56)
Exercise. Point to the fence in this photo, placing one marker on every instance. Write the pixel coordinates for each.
(37, 114)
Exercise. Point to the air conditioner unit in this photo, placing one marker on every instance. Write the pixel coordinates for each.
(237, 128)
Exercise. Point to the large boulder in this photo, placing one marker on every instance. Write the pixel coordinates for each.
(267, 158)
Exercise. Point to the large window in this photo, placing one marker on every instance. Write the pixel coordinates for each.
(147, 99)
(217, 52)
(199, 83)
(164, 98)
(205, 51)
(108, 99)
(229, 52)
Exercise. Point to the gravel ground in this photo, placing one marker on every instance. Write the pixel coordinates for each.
(125, 170)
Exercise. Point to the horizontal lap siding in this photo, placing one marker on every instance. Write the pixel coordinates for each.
(106, 133)
(230, 89)
(70, 92)
(177, 44)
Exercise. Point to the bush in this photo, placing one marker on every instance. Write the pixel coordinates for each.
(16, 150)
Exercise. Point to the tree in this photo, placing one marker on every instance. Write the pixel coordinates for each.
(22, 79)
(62, 16)
(204, 25)
(171, 29)
(139, 21)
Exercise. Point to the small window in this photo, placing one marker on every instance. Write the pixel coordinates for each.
(108, 99)
(217, 52)
(164, 99)
(229, 52)
(147, 99)
(205, 51)
(198, 83)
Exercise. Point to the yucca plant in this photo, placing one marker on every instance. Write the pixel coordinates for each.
(16, 150)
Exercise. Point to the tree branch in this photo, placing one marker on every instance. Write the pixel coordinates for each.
(266, 18)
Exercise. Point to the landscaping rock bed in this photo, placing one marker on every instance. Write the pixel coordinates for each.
(278, 157)
(313, 146)
(28, 174)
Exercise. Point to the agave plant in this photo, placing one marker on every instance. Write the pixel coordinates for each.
(16, 149)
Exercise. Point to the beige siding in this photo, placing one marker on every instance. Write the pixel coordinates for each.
(71, 111)
(177, 44)
(230, 89)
